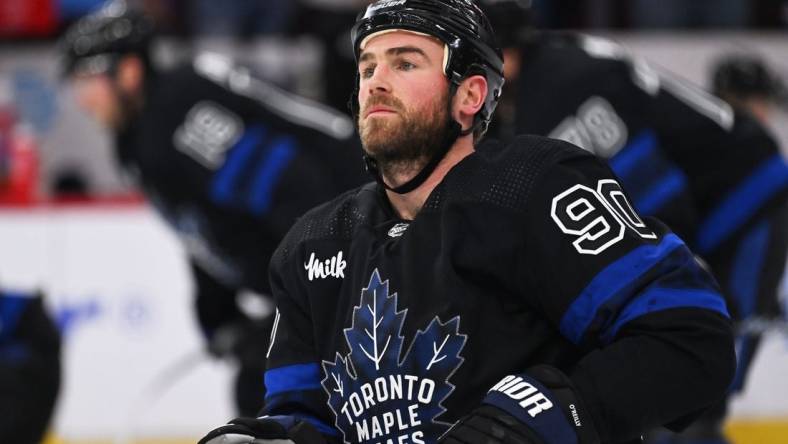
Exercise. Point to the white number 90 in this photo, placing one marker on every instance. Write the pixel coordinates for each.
(598, 218)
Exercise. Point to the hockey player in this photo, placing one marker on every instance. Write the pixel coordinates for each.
(228, 160)
(499, 295)
(29, 367)
(747, 82)
(713, 174)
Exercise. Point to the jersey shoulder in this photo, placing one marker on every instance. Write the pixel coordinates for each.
(576, 56)
(218, 84)
(288, 109)
(180, 86)
(505, 175)
(337, 219)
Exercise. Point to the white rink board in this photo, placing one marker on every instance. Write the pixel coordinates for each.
(125, 272)
(122, 275)
(766, 392)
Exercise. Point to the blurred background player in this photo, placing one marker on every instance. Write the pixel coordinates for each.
(228, 160)
(746, 82)
(30, 364)
(29, 367)
(711, 172)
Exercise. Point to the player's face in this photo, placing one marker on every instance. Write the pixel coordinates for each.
(96, 95)
(403, 97)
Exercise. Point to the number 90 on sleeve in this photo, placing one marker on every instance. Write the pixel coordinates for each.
(597, 218)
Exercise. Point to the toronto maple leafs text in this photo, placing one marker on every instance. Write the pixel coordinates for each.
(384, 389)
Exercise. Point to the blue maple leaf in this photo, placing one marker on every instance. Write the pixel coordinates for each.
(375, 392)
(376, 327)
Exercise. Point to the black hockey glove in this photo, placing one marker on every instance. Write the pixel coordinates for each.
(536, 407)
(265, 430)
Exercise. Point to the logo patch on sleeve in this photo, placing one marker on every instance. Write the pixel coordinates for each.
(377, 393)
(208, 131)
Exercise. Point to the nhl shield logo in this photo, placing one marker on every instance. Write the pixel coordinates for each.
(378, 393)
(398, 230)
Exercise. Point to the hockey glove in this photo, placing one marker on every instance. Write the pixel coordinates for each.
(536, 407)
(265, 430)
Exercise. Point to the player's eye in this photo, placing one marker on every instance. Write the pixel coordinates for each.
(405, 66)
(367, 71)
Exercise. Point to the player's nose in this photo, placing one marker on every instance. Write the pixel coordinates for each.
(378, 82)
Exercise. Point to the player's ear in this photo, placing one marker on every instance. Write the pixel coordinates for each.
(130, 74)
(469, 99)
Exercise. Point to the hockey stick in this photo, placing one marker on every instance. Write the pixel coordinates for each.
(155, 389)
(759, 325)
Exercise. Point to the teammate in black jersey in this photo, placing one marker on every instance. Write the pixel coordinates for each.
(29, 367)
(748, 82)
(509, 294)
(229, 161)
(713, 174)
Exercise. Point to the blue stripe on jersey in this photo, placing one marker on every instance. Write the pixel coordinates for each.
(745, 275)
(238, 156)
(650, 179)
(739, 205)
(283, 403)
(616, 278)
(292, 378)
(639, 148)
(271, 168)
(659, 298)
(281, 408)
(11, 307)
(657, 195)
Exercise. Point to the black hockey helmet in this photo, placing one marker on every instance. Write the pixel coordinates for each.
(95, 41)
(742, 75)
(459, 24)
(511, 19)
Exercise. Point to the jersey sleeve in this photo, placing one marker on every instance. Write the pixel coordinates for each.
(628, 292)
(675, 131)
(660, 134)
(294, 372)
(250, 170)
(270, 169)
(751, 270)
(214, 302)
(749, 177)
(605, 104)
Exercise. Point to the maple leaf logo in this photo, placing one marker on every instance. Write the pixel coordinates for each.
(377, 394)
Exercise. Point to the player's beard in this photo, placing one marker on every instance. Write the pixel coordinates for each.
(403, 145)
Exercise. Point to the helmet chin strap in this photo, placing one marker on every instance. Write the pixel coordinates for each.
(455, 131)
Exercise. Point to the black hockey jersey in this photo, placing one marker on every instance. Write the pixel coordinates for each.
(389, 330)
(232, 161)
(684, 156)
